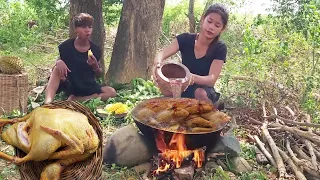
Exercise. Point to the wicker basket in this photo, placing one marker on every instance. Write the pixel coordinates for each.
(13, 92)
(90, 169)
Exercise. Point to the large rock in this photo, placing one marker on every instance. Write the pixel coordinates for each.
(241, 165)
(127, 147)
(226, 144)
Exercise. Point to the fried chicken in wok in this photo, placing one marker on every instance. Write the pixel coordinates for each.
(174, 114)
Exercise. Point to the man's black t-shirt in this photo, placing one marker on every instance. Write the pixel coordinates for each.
(202, 65)
(82, 77)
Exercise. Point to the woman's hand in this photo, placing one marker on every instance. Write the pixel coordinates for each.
(155, 67)
(191, 81)
(62, 69)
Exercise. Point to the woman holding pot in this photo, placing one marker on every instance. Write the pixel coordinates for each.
(202, 53)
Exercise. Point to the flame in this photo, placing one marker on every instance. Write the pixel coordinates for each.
(176, 151)
(162, 169)
(198, 156)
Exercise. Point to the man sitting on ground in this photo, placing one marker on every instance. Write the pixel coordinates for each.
(76, 68)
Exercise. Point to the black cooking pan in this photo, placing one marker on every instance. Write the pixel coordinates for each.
(193, 140)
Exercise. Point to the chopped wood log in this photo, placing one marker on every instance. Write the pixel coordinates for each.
(290, 111)
(253, 121)
(300, 153)
(317, 132)
(303, 163)
(280, 165)
(293, 122)
(264, 150)
(260, 157)
(276, 113)
(316, 152)
(304, 134)
(275, 152)
(294, 168)
(309, 146)
(311, 172)
(299, 162)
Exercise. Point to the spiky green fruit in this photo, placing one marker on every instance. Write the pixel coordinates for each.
(11, 65)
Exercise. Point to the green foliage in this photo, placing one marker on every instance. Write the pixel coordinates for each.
(258, 175)
(220, 174)
(114, 172)
(13, 114)
(14, 31)
(51, 13)
(139, 90)
(111, 12)
(247, 151)
(175, 18)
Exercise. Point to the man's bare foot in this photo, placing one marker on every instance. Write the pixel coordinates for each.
(72, 98)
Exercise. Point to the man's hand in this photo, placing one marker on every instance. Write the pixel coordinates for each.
(92, 61)
(62, 69)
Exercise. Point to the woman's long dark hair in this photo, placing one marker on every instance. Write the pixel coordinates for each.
(223, 12)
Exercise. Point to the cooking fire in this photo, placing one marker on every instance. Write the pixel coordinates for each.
(173, 156)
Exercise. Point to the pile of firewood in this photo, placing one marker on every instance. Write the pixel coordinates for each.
(290, 144)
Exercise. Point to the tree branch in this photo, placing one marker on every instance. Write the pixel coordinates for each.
(294, 168)
(264, 150)
(305, 134)
(309, 146)
(275, 152)
(307, 124)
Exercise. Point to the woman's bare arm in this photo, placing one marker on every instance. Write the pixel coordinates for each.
(214, 73)
(168, 51)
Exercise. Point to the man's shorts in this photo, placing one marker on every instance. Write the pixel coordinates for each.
(68, 89)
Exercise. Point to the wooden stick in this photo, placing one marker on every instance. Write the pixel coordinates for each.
(304, 134)
(293, 156)
(316, 152)
(252, 120)
(264, 150)
(276, 113)
(300, 153)
(305, 164)
(317, 132)
(294, 168)
(293, 122)
(275, 152)
(309, 146)
(290, 111)
(311, 172)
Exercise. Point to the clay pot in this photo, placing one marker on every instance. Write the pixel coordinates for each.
(168, 70)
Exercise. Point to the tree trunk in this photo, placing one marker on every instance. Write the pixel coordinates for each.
(208, 4)
(94, 8)
(192, 21)
(136, 42)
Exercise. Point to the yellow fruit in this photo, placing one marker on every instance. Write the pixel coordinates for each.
(11, 65)
(90, 53)
(117, 108)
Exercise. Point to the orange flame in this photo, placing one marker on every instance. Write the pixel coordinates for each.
(162, 169)
(177, 151)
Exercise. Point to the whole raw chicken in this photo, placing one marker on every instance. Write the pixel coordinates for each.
(51, 134)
